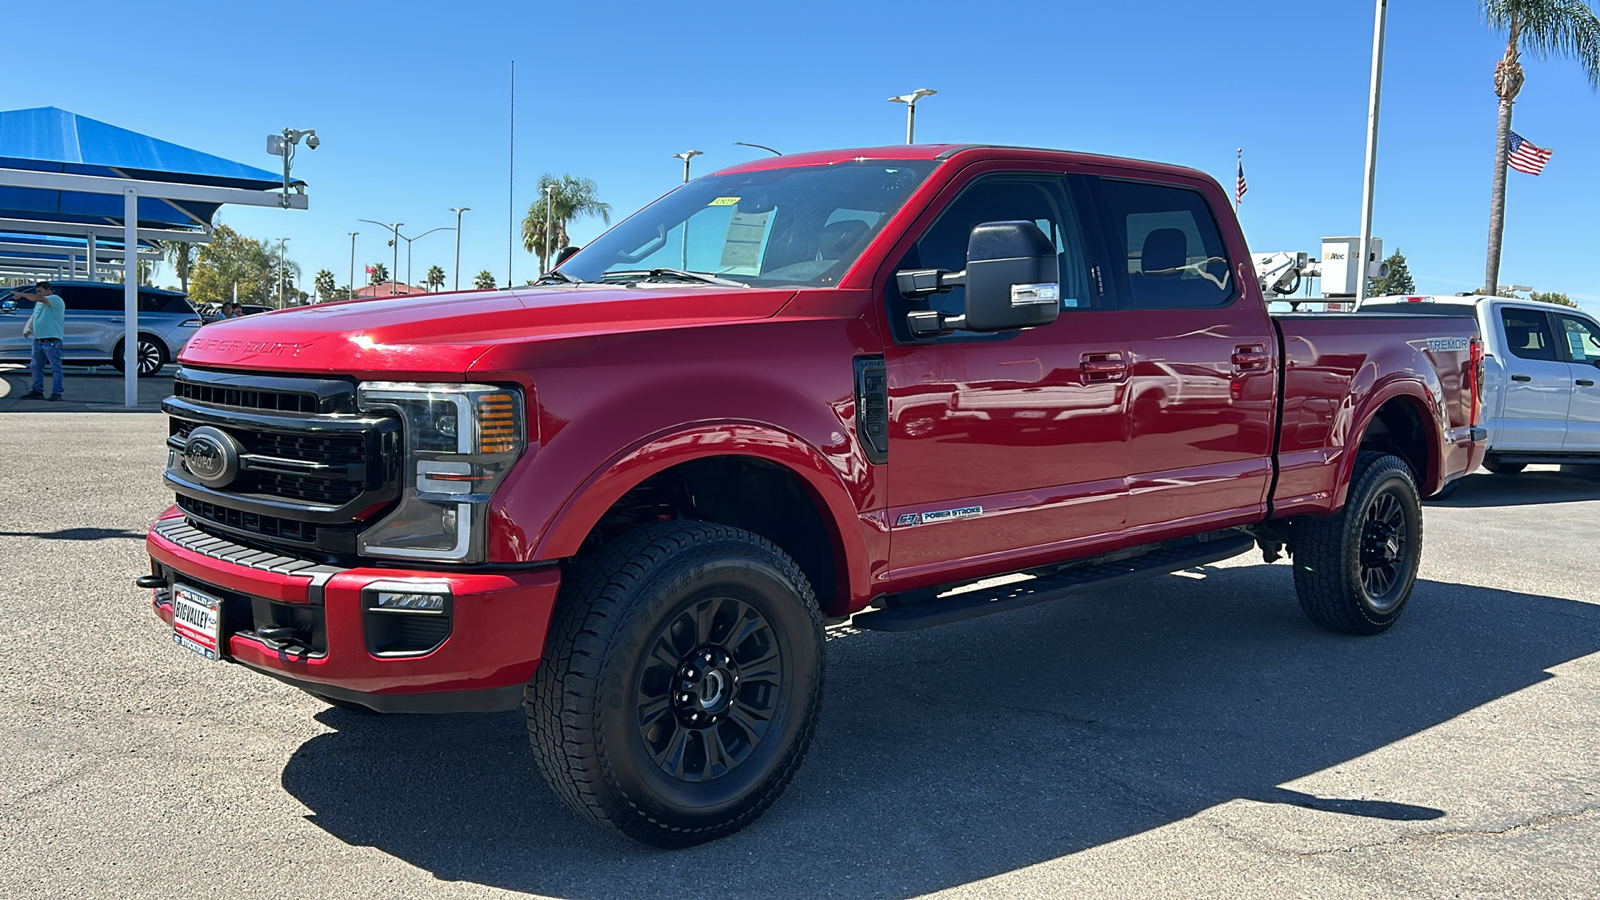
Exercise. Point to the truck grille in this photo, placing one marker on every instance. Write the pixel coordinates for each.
(312, 470)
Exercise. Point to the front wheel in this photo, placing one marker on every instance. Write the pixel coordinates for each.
(1354, 570)
(680, 682)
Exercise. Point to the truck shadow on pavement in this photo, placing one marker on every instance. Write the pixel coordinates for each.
(979, 748)
(1525, 489)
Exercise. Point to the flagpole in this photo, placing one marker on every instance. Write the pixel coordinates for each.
(1236, 197)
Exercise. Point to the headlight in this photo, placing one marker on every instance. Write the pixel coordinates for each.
(461, 440)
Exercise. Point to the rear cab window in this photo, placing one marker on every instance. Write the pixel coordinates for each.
(1173, 250)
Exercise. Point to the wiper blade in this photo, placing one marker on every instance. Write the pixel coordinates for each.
(559, 276)
(701, 277)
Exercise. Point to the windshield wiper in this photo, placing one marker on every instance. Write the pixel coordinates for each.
(558, 276)
(702, 277)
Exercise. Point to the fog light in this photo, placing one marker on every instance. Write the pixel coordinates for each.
(406, 602)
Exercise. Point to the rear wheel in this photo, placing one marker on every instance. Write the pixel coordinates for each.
(1503, 468)
(1354, 570)
(150, 353)
(680, 682)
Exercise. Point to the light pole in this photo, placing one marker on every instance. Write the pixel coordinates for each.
(1372, 150)
(758, 147)
(393, 242)
(456, 286)
(351, 293)
(283, 272)
(686, 156)
(408, 241)
(549, 213)
(910, 100)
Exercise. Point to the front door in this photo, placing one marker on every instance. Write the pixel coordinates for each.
(1007, 444)
(1580, 338)
(1203, 388)
(1538, 383)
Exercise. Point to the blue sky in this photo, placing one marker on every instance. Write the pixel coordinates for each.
(411, 102)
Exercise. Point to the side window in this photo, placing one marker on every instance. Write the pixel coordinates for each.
(1528, 333)
(1175, 255)
(1582, 339)
(81, 298)
(1040, 199)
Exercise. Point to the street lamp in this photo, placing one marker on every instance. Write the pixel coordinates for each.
(393, 242)
(686, 156)
(284, 145)
(758, 147)
(283, 272)
(458, 211)
(408, 241)
(549, 207)
(910, 100)
(351, 293)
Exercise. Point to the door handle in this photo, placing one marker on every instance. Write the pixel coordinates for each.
(1584, 382)
(1250, 358)
(1102, 367)
(1522, 378)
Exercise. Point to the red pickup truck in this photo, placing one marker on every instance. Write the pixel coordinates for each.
(865, 383)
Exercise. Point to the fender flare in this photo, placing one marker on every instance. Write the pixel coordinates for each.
(656, 453)
(1415, 392)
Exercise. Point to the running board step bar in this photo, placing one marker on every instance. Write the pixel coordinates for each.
(1072, 580)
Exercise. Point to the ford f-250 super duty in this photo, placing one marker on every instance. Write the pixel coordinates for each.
(627, 497)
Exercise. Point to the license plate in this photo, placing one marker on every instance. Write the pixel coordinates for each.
(197, 621)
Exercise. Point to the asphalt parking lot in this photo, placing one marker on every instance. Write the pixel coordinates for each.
(1188, 736)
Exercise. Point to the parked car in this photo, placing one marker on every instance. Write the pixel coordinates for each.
(831, 384)
(95, 325)
(1541, 378)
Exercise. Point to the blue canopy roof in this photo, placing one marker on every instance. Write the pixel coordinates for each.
(48, 139)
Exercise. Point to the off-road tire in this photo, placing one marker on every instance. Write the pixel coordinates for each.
(613, 622)
(1329, 553)
(1503, 468)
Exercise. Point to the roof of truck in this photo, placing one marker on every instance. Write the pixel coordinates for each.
(941, 152)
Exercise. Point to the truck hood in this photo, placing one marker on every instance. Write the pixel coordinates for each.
(440, 335)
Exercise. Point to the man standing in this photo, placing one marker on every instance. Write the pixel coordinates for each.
(47, 326)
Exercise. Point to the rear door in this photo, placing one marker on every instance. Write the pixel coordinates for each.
(1538, 382)
(1011, 443)
(1580, 340)
(1202, 392)
(93, 316)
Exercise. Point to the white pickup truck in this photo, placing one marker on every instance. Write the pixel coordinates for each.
(1541, 377)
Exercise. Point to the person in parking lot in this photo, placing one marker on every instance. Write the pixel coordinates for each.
(46, 327)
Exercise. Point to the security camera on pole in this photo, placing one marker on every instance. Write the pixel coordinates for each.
(284, 145)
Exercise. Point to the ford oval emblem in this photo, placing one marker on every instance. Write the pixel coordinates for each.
(211, 456)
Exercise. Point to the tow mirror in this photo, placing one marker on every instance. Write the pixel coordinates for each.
(1012, 281)
(565, 254)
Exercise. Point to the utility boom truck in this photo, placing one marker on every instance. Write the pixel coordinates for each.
(627, 498)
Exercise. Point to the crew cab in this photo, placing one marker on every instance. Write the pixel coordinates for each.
(628, 497)
(1541, 403)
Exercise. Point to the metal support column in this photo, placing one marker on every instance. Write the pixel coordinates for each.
(130, 297)
(92, 257)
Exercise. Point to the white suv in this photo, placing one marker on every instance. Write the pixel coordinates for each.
(95, 325)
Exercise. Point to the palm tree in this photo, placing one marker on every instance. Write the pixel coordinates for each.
(435, 278)
(1546, 28)
(380, 273)
(181, 255)
(325, 284)
(484, 281)
(571, 199)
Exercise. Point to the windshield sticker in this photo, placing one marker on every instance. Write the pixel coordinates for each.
(723, 201)
(747, 237)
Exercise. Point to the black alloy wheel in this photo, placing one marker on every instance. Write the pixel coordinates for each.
(1354, 570)
(680, 682)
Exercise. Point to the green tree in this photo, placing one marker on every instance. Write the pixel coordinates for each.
(1552, 297)
(571, 198)
(233, 259)
(1545, 28)
(380, 273)
(484, 281)
(325, 285)
(181, 255)
(435, 278)
(1398, 282)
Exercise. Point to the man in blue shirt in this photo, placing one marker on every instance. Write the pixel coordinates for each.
(47, 326)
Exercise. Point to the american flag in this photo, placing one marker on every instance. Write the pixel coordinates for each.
(1241, 188)
(1525, 157)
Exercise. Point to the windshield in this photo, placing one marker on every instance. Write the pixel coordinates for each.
(800, 226)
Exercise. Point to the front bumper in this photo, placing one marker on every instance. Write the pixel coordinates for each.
(496, 629)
